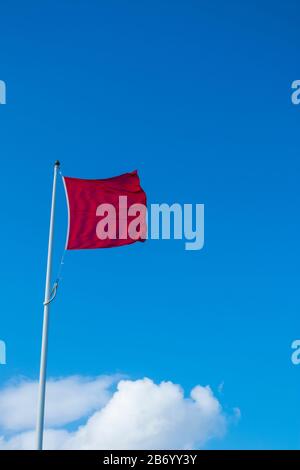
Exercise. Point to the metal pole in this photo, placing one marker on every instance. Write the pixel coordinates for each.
(43, 366)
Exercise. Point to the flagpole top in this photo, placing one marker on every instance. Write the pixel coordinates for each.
(57, 163)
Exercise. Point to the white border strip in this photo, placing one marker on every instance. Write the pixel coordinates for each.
(68, 205)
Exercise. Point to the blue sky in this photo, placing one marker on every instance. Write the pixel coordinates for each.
(196, 96)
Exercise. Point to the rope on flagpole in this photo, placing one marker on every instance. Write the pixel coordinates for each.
(59, 271)
(61, 266)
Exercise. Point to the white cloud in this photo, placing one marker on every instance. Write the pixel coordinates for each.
(68, 400)
(138, 415)
(25, 440)
(143, 415)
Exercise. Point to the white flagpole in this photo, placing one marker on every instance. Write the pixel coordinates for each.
(43, 366)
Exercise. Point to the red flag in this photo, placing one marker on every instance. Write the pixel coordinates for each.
(105, 213)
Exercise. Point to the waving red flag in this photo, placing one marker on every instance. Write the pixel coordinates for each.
(105, 213)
